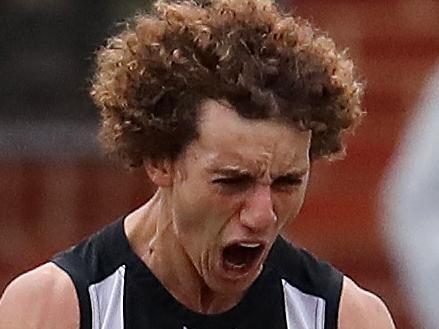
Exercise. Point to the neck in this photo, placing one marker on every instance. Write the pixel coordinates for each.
(152, 237)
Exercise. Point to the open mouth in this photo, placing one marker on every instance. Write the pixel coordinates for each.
(240, 257)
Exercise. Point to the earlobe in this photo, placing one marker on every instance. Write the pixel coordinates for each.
(159, 172)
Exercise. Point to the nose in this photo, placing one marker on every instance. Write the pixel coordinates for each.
(257, 213)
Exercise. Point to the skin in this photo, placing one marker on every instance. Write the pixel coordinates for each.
(241, 180)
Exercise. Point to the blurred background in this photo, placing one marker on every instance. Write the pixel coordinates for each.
(56, 187)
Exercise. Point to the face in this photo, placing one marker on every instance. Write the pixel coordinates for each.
(233, 190)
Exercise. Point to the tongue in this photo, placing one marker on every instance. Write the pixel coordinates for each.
(239, 256)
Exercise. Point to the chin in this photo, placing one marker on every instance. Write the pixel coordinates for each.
(226, 284)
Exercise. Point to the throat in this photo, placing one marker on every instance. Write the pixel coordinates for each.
(152, 238)
(181, 279)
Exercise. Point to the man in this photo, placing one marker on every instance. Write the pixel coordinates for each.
(225, 105)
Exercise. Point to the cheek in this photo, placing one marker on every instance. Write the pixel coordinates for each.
(288, 206)
(203, 213)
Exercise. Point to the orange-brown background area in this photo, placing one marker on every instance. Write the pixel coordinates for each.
(46, 206)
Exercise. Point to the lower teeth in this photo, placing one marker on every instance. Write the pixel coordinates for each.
(235, 266)
(237, 257)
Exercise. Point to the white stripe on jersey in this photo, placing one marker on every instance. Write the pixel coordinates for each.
(302, 310)
(107, 301)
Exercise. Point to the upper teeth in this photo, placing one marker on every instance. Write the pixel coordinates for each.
(249, 245)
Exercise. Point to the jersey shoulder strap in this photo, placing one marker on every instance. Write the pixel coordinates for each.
(91, 261)
(298, 268)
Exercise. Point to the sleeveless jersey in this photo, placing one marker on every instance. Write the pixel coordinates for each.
(116, 290)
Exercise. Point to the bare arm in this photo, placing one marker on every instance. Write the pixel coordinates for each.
(360, 309)
(43, 298)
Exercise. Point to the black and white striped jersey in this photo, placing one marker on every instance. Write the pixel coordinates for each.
(116, 290)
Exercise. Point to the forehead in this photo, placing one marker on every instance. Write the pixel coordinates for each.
(225, 138)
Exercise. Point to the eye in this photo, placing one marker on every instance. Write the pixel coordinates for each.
(234, 183)
(287, 182)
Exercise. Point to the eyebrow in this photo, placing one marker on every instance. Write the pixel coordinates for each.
(296, 172)
(235, 171)
(230, 171)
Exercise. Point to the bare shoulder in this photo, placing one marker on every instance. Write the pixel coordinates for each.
(361, 309)
(41, 298)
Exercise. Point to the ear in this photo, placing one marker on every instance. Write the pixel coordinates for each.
(160, 172)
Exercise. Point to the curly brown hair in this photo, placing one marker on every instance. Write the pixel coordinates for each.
(152, 77)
